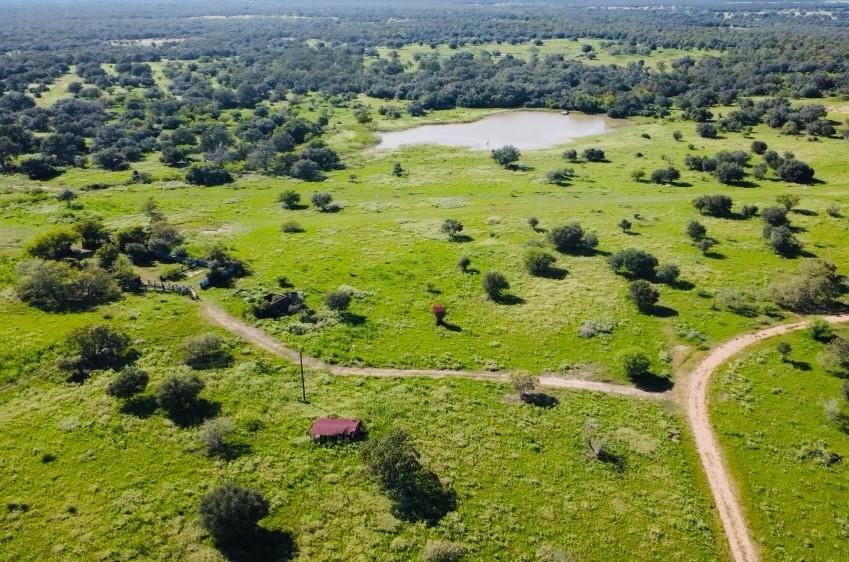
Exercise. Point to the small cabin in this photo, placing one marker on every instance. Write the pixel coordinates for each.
(334, 429)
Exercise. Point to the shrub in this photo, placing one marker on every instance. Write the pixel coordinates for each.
(748, 211)
(759, 147)
(775, 216)
(338, 300)
(570, 154)
(713, 205)
(624, 225)
(638, 264)
(443, 551)
(178, 394)
(705, 244)
(231, 513)
(538, 262)
(782, 241)
(706, 130)
(305, 169)
(207, 175)
(54, 244)
(677, 135)
(205, 351)
(321, 200)
(638, 175)
(644, 295)
(796, 171)
(99, 347)
(494, 284)
(635, 364)
(593, 155)
(787, 200)
(593, 328)
(523, 383)
(129, 382)
(289, 199)
(451, 227)
(833, 211)
(696, 230)
(821, 330)
(39, 169)
(571, 238)
(668, 273)
(111, 159)
(728, 172)
(506, 156)
(463, 263)
(665, 176)
(560, 176)
(814, 287)
(291, 227)
(834, 357)
(533, 222)
(214, 434)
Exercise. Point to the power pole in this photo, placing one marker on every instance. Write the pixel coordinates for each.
(303, 382)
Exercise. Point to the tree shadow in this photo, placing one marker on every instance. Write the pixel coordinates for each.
(540, 399)
(232, 451)
(680, 184)
(426, 499)
(139, 406)
(682, 285)
(715, 255)
(472, 271)
(297, 207)
(352, 319)
(662, 311)
(614, 460)
(196, 414)
(509, 300)
(631, 233)
(451, 327)
(800, 365)
(554, 273)
(805, 212)
(650, 382)
(461, 238)
(264, 546)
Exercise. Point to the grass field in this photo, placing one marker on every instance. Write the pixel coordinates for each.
(386, 243)
(119, 486)
(603, 52)
(767, 413)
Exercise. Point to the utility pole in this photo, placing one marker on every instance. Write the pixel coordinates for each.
(303, 382)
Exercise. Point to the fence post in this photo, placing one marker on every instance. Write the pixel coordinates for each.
(303, 383)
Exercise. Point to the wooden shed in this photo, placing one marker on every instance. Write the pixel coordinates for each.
(325, 429)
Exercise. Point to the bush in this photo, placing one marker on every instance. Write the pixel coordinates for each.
(668, 273)
(748, 211)
(206, 175)
(787, 200)
(523, 383)
(705, 244)
(39, 169)
(214, 434)
(624, 225)
(728, 172)
(173, 272)
(533, 222)
(129, 382)
(305, 169)
(54, 244)
(443, 551)
(696, 230)
(538, 262)
(561, 176)
(463, 263)
(289, 199)
(834, 357)
(714, 205)
(593, 155)
(782, 241)
(321, 200)
(111, 159)
(593, 328)
(665, 176)
(775, 216)
(55, 286)
(451, 227)
(494, 284)
(99, 347)
(643, 294)
(796, 171)
(706, 130)
(637, 264)
(814, 287)
(759, 147)
(570, 154)
(338, 300)
(292, 227)
(571, 238)
(178, 394)
(205, 351)
(820, 330)
(231, 513)
(635, 364)
(506, 156)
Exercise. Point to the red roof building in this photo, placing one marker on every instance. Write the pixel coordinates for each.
(335, 428)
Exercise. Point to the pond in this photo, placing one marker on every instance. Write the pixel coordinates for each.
(522, 129)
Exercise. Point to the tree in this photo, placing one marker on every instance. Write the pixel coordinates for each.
(214, 434)
(696, 230)
(52, 245)
(439, 311)
(644, 295)
(782, 240)
(338, 300)
(178, 395)
(668, 273)
(783, 348)
(677, 135)
(55, 286)
(635, 364)
(289, 199)
(538, 262)
(37, 168)
(728, 172)
(571, 238)
(834, 357)
(523, 383)
(705, 244)
(66, 195)
(624, 225)
(506, 156)
(92, 232)
(129, 382)
(397, 170)
(452, 227)
(787, 200)
(665, 175)
(463, 263)
(111, 159)
(593, 155)
(321, 200)
(571, 154)
(494, 284)
(759, 147)
(706, 130)
(205, 351)
(560, 176)
(305, 169)
(713, 205)
(775, 216)
(638, 175)
(821, 330)
(170, 155)
(637, 264)
(813, 287)
(98, 347)
(208, 175)
(533, 222)
(231, 513)
(796, 171)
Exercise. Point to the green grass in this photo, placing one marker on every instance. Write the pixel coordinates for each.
(386, 243)
(58, 89)
(127, 487)
(765, 412)
(603, 53)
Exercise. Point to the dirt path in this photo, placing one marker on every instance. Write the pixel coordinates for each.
(273, 346)
(721, 483)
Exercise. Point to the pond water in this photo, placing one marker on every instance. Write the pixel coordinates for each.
(522, 129)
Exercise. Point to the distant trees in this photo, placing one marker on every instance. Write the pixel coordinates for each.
(494, 284)
(231, 513)
(506, 156)
(207, 175)
(571, 239)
